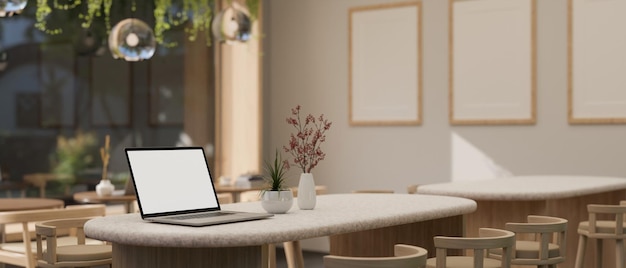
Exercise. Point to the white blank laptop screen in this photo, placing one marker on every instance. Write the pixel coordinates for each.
(172, 180)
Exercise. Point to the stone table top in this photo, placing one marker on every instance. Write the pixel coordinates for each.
(333, 214)
(526, 187)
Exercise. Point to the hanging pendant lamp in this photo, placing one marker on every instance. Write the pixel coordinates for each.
(10, 7)
(232, 25)
(132, 40)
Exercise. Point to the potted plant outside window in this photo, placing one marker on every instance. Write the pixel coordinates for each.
(276, 198)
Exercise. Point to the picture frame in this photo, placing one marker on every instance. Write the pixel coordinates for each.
(166, 101)
(57, 74)
(596, 72)
(385, 89)
(111, 92)
(502, 88)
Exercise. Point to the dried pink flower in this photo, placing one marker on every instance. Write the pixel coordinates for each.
(305, 145)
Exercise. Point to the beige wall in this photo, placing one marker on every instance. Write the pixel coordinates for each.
(306, 63)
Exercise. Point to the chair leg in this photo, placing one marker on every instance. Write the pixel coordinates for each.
(599, 245)
(580, 254)
(619, 253)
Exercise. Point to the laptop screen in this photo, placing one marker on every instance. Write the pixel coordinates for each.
(170, 180)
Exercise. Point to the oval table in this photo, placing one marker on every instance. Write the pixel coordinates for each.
(358, 225)
(512, 199)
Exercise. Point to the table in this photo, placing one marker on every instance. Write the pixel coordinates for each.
(234, 190)
(40, 180)
(512, 199)
(90, 197)
(13, 204)
(349, 220)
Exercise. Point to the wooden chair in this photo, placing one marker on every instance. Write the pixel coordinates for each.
(412, 189)
(488, 239)
(546, 249)
(405, 256)
(22, 253)
(69, 255)
(373, 192)
(600, 230)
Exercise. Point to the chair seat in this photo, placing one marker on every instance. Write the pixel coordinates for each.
(530, 250)
(84, 252)
(463, 262)
(606, 227)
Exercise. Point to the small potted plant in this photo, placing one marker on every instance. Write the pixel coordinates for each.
(276, 198)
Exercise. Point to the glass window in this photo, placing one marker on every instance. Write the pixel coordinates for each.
(61, 93)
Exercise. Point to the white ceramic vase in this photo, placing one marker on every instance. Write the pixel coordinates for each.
(306, 191)
(277, 202)
(105, 188)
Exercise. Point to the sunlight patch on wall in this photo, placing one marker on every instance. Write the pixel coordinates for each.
(469, 163)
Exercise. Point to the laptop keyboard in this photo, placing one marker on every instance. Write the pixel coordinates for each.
(199, 215)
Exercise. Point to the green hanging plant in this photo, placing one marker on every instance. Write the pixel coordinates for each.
(194, 15)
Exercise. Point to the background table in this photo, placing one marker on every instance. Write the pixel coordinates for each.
(382, 219)
(512, 199)
(91, 197)
(13, 204)
(235, 191)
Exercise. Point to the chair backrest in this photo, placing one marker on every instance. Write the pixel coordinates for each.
(25, 257)
(405, 256)
(616, 213)
(488, 239)
(55, 253)
(548, 233)
(373, 192)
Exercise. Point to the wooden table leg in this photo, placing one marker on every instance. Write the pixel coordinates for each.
(293, 254)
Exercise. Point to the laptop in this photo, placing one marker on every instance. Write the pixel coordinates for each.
(173, 185)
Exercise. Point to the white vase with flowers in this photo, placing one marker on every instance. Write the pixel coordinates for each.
(305, 148)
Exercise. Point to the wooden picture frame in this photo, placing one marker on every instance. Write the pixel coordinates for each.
(57, 74)
(166, 95)
(385, 64)
(492, 62)
(111, 92)
(596, 72)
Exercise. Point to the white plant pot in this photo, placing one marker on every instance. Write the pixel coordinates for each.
(306, 191)
(277, 202)
(105, 188)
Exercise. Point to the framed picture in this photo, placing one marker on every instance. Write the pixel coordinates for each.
(596, 70)
(385, 68)
(110, 92)
(166, 90)
(57, 80)
(492, 62)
